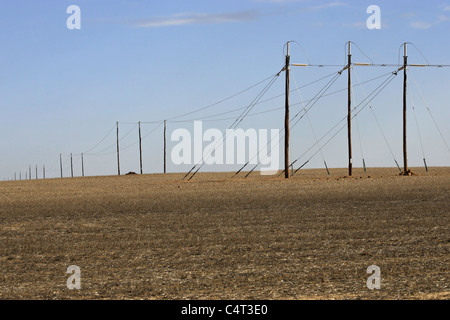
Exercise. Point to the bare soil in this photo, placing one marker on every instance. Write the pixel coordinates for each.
(159, 237)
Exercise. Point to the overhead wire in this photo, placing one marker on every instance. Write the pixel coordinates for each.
(375, 93)
(238, 120)
(418, 131)
(223, 100)
(315, 99)
(429, 111)
(359, 135)
(103, 139)
(309, 121)
(378, 124)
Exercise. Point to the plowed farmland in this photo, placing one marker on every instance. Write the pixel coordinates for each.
(214, 237)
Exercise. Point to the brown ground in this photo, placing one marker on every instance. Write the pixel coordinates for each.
(156, 237)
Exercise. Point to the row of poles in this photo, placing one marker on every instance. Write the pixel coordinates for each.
(71, 165)
(140, 147)
(118, 153)
(28, 175)
(286, 126)
(349, 111)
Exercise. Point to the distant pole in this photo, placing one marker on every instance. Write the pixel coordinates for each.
(26, 176)
(286, 116)
(71, 165)
(15, 176)
(20, 175)
(60, 165)
(405, 64)
(43, 171)
(140, 147)
(29, 170)
(118, 155)
(165, 145)
(82, 165)
(349, 116)
(36, 173)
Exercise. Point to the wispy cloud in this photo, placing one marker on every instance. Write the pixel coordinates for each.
(197, 18)
(319, 24)
(363, 25)
(408, 15)
(327, 5)
(420, 25)
(316, 7)
(279, 1)
(189, 18)
(359, 25)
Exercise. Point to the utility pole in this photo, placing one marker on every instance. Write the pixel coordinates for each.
(43, 171)
(118, 155)
(286, 116)
(165, 145)
(20, 175)
(15, 176)
(140, 147)
(36, 173)
(71, 165)
(82, 165)
(29, 170)
(60, 165)
(349, 116)
(405, 64)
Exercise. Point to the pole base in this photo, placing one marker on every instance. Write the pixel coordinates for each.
(407, 173)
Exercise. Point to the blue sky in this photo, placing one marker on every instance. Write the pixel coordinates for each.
(63, 90)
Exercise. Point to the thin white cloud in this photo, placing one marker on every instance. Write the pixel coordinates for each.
(363, 25)
(278, 1)
(197, 18)
(420, 25)
(186, 18)
(359, 25)
(327, 5)
(408, 15)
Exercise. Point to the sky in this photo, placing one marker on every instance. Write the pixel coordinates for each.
(63, 90)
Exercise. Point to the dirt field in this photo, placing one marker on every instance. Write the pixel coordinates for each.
(156, 237)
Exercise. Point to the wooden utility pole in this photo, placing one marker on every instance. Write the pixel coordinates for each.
(405, 64)
(43, 172)
(36, 173)
(29, 170)
(140, 147)
(165, 146)
(60, 165)
(20, 175)
(118, 155)
(349, 116)
(82, 165)
(286, 116)
(71, 165)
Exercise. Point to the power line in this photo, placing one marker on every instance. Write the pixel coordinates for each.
(238, 120)
(379, 89)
